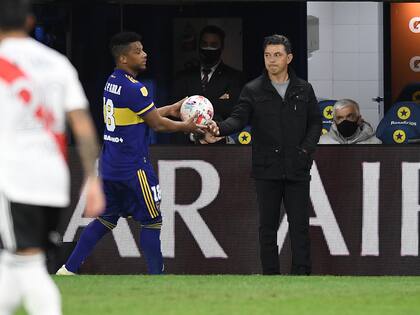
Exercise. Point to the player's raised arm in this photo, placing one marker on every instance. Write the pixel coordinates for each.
(171, 110)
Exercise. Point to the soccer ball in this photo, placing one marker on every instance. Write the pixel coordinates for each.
(197, 104)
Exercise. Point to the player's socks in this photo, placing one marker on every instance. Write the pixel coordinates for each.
(10, 293)
(90, 236)
(150, 244)
(40, 295)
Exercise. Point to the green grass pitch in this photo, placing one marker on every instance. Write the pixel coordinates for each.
(227, 295)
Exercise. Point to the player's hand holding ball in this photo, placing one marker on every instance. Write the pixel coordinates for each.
(199, 107)
(198, 110)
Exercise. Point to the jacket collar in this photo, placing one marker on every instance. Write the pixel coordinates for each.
(216, 70)
(212, 69)
(294, 81)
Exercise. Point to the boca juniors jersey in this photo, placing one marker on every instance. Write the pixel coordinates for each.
(125, 146)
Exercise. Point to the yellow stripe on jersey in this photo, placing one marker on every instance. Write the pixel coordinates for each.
(129, 77)
(146, 197)
(149, 192)
(124, 117)
(145, 109)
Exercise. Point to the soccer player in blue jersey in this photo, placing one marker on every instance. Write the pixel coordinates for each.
(131, 186)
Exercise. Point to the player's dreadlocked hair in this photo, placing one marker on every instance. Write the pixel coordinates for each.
(13, 14)
(120, 42)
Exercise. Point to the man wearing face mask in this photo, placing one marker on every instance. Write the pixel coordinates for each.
(220, 83)
(348, 126)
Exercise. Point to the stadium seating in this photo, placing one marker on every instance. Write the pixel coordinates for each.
(242, 137)
(410, 93)
(401, 124)
(326, 107)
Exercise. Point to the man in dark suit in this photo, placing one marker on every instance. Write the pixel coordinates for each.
(286, 123)
(220, 83)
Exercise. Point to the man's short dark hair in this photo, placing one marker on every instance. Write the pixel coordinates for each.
(213, 29)
(120, 42)
(13, 14)
(278, 40)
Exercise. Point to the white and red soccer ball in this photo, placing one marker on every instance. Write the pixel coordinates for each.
(199, 105)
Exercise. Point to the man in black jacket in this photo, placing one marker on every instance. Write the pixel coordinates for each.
(286, 124)
(220, 83)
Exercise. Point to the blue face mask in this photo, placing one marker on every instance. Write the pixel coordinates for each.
(347, 128)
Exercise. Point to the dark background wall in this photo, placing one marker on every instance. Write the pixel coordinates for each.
(381, 177)
(82, 31)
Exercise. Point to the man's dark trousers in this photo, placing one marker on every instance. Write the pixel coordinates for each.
(295, 195)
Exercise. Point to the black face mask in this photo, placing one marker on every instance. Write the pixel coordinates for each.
(210, 56)
(347, 128)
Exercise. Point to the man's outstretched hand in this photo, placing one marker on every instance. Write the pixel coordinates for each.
(208, 138)
(213, 128)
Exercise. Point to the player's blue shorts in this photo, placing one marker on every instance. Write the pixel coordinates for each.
(138, 198)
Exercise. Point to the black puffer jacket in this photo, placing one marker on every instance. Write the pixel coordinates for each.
(285, 131)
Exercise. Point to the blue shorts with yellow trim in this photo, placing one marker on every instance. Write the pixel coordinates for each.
(138, 198)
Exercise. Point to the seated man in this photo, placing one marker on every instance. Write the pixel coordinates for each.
(348, 126)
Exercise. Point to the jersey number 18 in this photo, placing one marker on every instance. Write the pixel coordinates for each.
(109, 114)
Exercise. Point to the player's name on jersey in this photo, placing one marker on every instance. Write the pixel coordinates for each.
(113, 88)
(113, 139)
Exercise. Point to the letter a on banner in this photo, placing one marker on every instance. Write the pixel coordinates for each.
(123, 237)
(210, 184)
(324, 218)
(410, 209)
